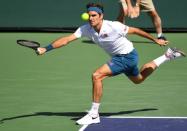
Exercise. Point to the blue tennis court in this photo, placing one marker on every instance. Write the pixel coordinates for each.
(139, 124)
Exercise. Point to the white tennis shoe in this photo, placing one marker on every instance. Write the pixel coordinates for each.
(88, 119)
(173, 53)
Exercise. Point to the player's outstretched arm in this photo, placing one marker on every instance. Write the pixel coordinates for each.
(133, 30)
(57, 44)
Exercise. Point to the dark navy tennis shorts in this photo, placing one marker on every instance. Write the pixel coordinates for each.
(125, 63)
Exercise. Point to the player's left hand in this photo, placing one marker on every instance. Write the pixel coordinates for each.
(162, 42)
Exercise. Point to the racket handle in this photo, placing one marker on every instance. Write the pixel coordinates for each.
(37, 51)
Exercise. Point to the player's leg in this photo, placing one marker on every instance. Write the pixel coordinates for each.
(97, 77)
(145, 71)
(149, 68)
(114, 67)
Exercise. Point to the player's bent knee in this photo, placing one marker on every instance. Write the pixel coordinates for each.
(137, 80)
(97, 76)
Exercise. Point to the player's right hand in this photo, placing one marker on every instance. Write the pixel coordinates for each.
(41, 50)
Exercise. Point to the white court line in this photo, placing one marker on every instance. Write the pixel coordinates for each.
(147, 117)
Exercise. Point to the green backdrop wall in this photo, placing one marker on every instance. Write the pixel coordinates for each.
(66, 13)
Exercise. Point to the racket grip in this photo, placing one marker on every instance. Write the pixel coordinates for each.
(37, 52)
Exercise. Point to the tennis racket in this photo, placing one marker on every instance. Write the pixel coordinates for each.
(29, 44)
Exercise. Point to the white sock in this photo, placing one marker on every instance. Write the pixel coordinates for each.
(159, 34)
(94, 109)
(160, 60)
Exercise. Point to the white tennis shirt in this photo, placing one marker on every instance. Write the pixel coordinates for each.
(112, 37)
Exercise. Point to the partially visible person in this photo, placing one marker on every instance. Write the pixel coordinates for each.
(127, 9)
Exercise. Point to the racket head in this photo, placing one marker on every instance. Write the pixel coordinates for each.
(28, 43)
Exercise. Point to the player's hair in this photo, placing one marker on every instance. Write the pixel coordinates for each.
(98, 5)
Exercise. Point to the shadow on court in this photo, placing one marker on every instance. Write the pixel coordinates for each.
(73, 115)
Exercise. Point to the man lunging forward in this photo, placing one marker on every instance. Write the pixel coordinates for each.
(112, 38)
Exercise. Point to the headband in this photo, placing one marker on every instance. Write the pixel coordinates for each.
(96, 9)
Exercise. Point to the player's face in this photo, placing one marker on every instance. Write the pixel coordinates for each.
(94, 18)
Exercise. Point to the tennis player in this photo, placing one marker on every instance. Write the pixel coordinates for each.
(112, 38)
(127, 9)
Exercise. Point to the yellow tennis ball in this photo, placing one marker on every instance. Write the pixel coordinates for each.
(85, 16)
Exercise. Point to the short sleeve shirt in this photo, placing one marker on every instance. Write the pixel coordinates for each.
(112, 37)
